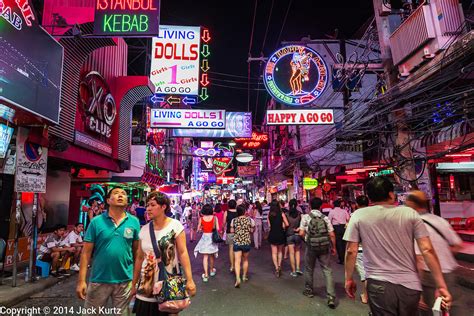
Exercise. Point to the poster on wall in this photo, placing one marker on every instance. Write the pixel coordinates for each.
(238, 124)
(31, 167)
(188, 118)
(175, 60)
(139, 18)
(295, 75)
(30, 63)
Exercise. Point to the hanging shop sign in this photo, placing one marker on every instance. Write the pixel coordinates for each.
(181, 118)
(327, 187)
(97, 113)
(6, 133)
(300, 117)
(247, 171)
(175, 60)
(31, 167)
(310, 183)
(237, 124)
(385, 172)
(281, 186)
(257, 141)
(31, 62)
(295, 75)
(139, 18)
(225, 180)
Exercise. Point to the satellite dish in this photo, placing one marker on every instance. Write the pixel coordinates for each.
(244, 157)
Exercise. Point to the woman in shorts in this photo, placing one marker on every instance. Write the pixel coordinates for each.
(242, 227)
(293, 239)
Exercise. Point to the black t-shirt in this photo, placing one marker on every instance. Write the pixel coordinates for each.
(230, 216)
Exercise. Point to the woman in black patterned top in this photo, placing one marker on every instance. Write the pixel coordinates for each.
(242, 227)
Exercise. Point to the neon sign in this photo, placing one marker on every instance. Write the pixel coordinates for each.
(257, 141)
(295, 75)
(127, 18)
(7, 11)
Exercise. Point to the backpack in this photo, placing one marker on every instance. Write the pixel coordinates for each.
(318, 236)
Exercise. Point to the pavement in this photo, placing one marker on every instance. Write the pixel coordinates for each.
(263, 294)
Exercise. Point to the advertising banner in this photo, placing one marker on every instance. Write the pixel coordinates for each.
(247, 171)
(31, 167)
(175, 60)
(237, 124)
(30, 62)
(139, 18)
(6, 133)
(187, 118)
(300, 117)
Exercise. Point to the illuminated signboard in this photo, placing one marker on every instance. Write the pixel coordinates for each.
(300, 117)
(187, 118)
(127, 17)
(310, 183)
(295, 75)
(238, 124)
(6, 133)
(30, 63)
(175, 60)
(257, 141)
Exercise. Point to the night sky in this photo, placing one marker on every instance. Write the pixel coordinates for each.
(230, 24)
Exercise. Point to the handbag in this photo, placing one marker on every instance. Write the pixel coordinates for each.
(216, 238)
(170, 290)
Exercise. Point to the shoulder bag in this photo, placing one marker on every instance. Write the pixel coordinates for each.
(216, 238)
(170, 290)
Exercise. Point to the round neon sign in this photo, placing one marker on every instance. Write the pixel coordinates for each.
(295, 75)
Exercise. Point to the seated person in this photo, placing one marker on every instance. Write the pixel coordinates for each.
(51, 251)
(74, 240)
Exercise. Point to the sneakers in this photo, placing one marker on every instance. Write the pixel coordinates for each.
(213, 272)
(57, 275)
(308, 292)
(299, 272)
(205, 279)
(64, 272)
(331, 303)
(75, 267)
(294, 274)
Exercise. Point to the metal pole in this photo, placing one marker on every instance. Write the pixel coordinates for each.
(17, 233)
(34, 240)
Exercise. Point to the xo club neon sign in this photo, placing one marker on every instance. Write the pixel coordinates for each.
(296, 75)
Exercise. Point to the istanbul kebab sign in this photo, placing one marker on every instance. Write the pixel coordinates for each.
(187, 118)
(300, 117)
(127, 17)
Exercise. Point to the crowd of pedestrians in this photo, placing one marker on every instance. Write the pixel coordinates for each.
(402, 253)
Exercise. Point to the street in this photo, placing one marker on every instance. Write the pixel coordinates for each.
(263, 294)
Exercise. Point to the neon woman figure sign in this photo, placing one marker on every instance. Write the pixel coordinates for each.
(295, 75)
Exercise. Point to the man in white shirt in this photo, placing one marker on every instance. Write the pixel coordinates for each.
(339, 218)
(74, 240)
(445, 242)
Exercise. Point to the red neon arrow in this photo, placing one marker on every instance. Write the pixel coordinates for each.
(205, 36)
(204, 80)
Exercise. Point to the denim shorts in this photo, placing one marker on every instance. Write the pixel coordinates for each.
(244, 248)
(293, 240)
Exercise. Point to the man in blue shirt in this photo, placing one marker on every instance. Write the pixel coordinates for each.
(112, 239)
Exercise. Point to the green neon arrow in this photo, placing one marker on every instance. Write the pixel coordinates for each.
(204, 94)
(205, 50)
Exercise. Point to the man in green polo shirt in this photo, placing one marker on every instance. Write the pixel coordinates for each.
(112, 239)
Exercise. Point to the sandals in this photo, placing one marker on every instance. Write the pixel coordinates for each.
(237, 283)
(204, 278)
(213, 272)
(245, 278)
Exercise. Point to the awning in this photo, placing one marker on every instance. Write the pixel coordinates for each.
(329, 171)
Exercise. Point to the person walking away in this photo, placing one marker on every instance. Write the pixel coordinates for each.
(284, 211)
(220, 218)
(56, 254)
(140, 213)
(74, 240)
(293, 239)
(187, 213)
(339, 218)
(206, 246)
(112, 239)
(277, 237)
(228, 217)
(361, 202)
(265, 212)
(257, 217)
(446, 243)
(171, 241)
(388, 233)
(242, 227)
(194, 223)
(318, 233)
